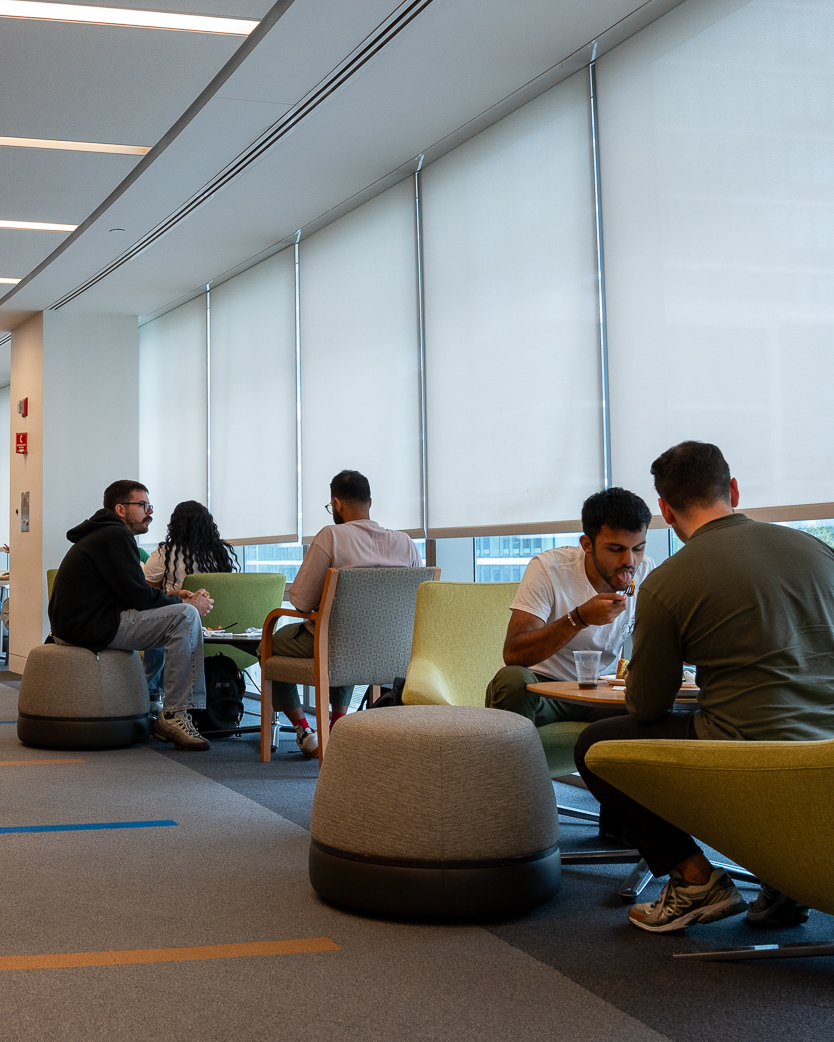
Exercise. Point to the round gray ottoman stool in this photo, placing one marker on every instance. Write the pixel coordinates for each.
(71, 698)
(435, 811)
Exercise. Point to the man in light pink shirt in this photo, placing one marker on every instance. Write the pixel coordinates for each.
(354, 541)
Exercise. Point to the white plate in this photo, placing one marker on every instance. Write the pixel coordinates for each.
(614, 681)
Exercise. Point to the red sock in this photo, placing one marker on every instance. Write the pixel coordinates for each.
(336, 713)
(302, 723)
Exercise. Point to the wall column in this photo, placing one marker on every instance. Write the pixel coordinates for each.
(81, 376)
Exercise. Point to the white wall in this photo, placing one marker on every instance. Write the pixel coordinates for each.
(5, 437)
(26, 475)
(81, 375)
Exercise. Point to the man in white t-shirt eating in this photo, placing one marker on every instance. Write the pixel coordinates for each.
(574, 599)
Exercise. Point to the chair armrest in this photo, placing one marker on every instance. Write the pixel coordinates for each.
(425, 685)
(269, 626)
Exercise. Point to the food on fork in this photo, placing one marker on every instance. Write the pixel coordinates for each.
(630, 588)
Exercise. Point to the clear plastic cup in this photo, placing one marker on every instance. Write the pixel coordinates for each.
(587, 668)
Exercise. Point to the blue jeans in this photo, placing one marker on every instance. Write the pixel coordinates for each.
(154, 663)
(176, 629)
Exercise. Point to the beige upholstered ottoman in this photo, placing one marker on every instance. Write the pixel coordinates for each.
(435, 811)
(71, 698)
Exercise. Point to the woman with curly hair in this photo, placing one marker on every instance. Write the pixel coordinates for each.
(192, 544)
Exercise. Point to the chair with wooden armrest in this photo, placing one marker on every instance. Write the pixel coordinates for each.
(364, 626)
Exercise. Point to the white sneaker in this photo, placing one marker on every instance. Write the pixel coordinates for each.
(179, 729)
(306, 740)
(683, 904)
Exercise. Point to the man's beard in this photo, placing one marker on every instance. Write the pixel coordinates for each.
(337, 517)
(141, 527)
(610, 577)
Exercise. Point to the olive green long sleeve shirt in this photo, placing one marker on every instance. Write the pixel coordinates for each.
(751, 605)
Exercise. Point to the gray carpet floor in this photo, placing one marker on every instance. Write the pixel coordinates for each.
(234, 870)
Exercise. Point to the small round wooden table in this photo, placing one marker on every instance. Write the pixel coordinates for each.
(570, 691)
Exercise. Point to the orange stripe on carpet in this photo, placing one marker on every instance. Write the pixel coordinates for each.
(28, 763)
(144, 955)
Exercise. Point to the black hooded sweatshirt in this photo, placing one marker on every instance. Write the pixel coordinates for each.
(100, 577)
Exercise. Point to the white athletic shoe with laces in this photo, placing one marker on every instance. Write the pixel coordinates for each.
(683, 904)
(179, 728)
(307, 741)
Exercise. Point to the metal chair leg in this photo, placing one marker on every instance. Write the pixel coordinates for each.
(741, 875)
(636, 882)
(584, 815)
(760, 951)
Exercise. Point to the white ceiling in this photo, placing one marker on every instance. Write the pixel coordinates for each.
(458, 61)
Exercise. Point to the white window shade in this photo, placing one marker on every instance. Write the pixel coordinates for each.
(172, 411)
(253, 403)
(360, 387)
(512, 335)
(717, 152)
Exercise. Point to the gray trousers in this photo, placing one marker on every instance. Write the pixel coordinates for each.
(298, 642)
(178, 630)
(508, 690)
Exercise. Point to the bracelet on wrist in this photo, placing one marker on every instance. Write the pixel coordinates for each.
(576, 613)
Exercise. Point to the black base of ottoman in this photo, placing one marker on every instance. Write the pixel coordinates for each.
(435, 890)
(45, 732)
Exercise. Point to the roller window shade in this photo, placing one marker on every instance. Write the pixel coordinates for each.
(512, 335)
(717, 153)
(253, 403)
(360, 374)
(172, 411)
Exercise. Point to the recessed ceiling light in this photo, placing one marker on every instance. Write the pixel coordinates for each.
(10, 282)
(190, 23)
(38, 226)
(75, 146)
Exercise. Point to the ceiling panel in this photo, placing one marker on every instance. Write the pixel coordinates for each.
(59, 187)
(221, 8)
(101, 83)
(21, 251)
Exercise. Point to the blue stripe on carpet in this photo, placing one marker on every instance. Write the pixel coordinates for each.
(82, 828)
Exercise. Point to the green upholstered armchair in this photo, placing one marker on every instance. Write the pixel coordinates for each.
(241, 600)
(767, 805)
(459, 631)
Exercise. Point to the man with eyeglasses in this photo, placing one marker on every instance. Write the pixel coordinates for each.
(101, 599)
(353, 541)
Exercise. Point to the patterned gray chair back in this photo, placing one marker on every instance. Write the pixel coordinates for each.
(372, 622)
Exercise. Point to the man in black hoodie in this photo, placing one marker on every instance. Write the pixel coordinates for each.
(101, 599)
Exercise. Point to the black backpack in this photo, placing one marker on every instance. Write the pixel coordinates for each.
(388, 696)
(224, 696)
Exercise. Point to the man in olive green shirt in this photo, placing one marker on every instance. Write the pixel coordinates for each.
(751, 605)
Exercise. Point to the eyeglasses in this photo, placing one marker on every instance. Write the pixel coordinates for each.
(143, 503)
(329, 508)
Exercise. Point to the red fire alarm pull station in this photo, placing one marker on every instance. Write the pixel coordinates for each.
(22, 443)
(23, 406)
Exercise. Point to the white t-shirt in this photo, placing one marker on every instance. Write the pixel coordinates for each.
(554, 583)
(154, 569)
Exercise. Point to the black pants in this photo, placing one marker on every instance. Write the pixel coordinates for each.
(661, 844)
